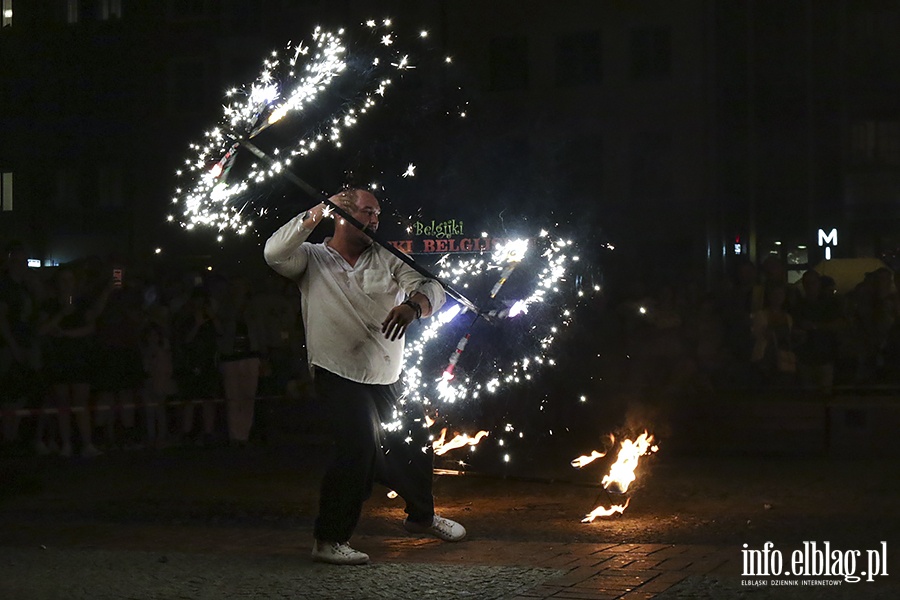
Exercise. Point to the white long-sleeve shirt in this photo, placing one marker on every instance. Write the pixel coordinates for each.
(343, 307)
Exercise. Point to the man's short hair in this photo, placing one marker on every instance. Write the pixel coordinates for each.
(348, 197)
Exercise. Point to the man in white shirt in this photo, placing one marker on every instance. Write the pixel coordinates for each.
(357, 301)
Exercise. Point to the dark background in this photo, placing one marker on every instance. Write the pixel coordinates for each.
(681, 132)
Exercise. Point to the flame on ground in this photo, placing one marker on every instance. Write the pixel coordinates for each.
(602, 511)
(441, 447)
(621, 473)
(583, 460)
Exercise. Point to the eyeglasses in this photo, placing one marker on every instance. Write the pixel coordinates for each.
(369, 212)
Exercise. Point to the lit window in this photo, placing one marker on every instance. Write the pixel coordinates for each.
(6, 191)
(7, 13)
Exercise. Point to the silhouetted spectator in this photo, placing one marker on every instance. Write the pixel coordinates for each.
(873, 312)
(772, 327)
(818, 320)
(68, 324)
(20, 295)
(119, 374)
(196, 331)
(279, 316)
(704, 332)
(156, 352)
(739, 298)
(240, 347)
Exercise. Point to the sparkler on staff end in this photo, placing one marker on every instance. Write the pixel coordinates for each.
(243, 123)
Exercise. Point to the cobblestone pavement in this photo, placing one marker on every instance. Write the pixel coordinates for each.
(114, 574)
(238, 525)
(225, 563)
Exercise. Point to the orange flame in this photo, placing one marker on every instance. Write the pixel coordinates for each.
(621, 473)
(583, 460)
(461, 439)
(601, 511)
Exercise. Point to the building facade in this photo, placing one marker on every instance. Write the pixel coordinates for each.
(687, 134)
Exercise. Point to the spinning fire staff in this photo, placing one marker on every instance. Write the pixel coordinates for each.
(306, 98)
(316, 195)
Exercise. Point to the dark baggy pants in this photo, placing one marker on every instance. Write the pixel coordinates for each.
(365, 453)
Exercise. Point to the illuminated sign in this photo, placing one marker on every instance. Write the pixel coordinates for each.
(441, 237)
(828, 240)
(444, 245)
(443, 229)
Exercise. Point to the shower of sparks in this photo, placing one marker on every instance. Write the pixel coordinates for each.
(546, 289)
(410, 171)
(291, 82)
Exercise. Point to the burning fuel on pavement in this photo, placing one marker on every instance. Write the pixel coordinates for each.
(621, 473)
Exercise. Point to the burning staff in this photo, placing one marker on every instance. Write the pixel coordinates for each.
(292, 83)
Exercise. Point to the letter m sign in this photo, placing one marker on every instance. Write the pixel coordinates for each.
(828, 238)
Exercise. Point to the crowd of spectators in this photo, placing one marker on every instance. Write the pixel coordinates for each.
(127, 360)
(754, 330)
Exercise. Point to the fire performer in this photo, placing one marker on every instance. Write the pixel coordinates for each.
(357, 302)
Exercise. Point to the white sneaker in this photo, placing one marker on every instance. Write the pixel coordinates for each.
(337, 553)
(441, 528)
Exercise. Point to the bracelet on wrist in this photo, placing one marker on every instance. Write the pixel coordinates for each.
(415, 306)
